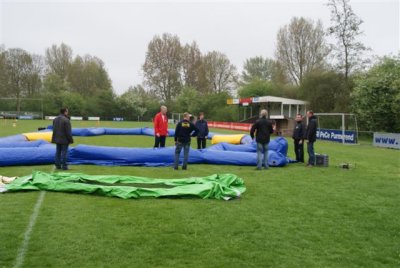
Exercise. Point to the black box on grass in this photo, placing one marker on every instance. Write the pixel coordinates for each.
(321, 160)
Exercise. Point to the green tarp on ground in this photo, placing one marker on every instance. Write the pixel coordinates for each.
(217, 186)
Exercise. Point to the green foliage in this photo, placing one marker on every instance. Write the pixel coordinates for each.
(376, 97)
(257, 88)
(189, 100)
(326, 92)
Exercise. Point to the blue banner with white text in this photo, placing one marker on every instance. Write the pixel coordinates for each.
(336, 135)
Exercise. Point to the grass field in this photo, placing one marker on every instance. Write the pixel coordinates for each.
(288, 217)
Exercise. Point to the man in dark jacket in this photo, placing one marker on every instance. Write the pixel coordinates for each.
(202, 126)
(311, 136)
(183, 131)
(62, 137)
(299, 134)
(263, 129)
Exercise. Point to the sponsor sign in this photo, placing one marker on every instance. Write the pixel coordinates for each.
(118, 119)
(93, 118)
(230, 125)
(256, 99)
(245, 100)
(50, 117)
(25, 117)
(235, 101)
(387, 140)
(336, 135)
(78, 118)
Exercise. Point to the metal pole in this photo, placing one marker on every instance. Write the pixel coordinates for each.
(41, 102)
(343, 132)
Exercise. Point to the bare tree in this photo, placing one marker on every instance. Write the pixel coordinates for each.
(191, 63)
(58, 59)
(220, 74)
(301, 47)
(346, 28)
(162, 67)
(23, 75)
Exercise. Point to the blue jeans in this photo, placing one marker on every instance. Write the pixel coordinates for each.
(178, 149)
(61, 155)
(311, 153)
(262, 151)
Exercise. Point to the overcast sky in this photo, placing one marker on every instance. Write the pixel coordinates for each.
(119, 33)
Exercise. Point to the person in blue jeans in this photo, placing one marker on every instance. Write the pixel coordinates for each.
(183, 132)
(311, 136)
(262, 130)
(62, 137)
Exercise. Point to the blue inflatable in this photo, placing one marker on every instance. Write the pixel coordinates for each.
(16, 150)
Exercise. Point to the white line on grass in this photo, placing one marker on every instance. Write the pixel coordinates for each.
(22, 250)
(27, 236)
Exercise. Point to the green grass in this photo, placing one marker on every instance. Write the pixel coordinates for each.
(288, 217)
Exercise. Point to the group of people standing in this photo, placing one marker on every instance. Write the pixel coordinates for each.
(185, 129)
(263, 128)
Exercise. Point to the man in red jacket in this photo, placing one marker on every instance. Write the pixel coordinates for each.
(160, 127)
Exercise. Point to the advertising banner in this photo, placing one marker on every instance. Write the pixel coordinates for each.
(336, 135)
(387, 140)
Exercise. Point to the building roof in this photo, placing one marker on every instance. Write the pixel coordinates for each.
(266, 99)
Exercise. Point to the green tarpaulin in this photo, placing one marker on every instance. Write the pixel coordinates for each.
(217, 186)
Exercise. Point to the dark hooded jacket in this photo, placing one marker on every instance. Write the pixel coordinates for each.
(311, 134)
(202, 126)
(62, 133)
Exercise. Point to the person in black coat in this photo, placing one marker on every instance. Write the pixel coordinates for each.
(183, 132)
(202, 126)
(311, 136)
(262, 129)
(62, 137)
(299, 134)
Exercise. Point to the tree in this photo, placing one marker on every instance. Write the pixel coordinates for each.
(326, 92)
(136, 102)
(3, 73)
(220, 74)
(346, 28)
(257, 88)
(87, 76)
(192, 71)
(22, 75)
(162, 67)
(301, 48)
(58, 59)
(376, 96)
(258, 68)
(188, 100)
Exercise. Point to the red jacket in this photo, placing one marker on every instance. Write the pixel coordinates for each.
(160, 124)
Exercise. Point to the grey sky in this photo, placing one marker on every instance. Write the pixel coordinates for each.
(118, 33)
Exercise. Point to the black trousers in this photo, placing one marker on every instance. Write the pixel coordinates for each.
(299, 150)
(201, 143)
(159, 141)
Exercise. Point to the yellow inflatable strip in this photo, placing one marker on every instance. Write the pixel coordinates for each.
(34, 136)
(233, 139)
